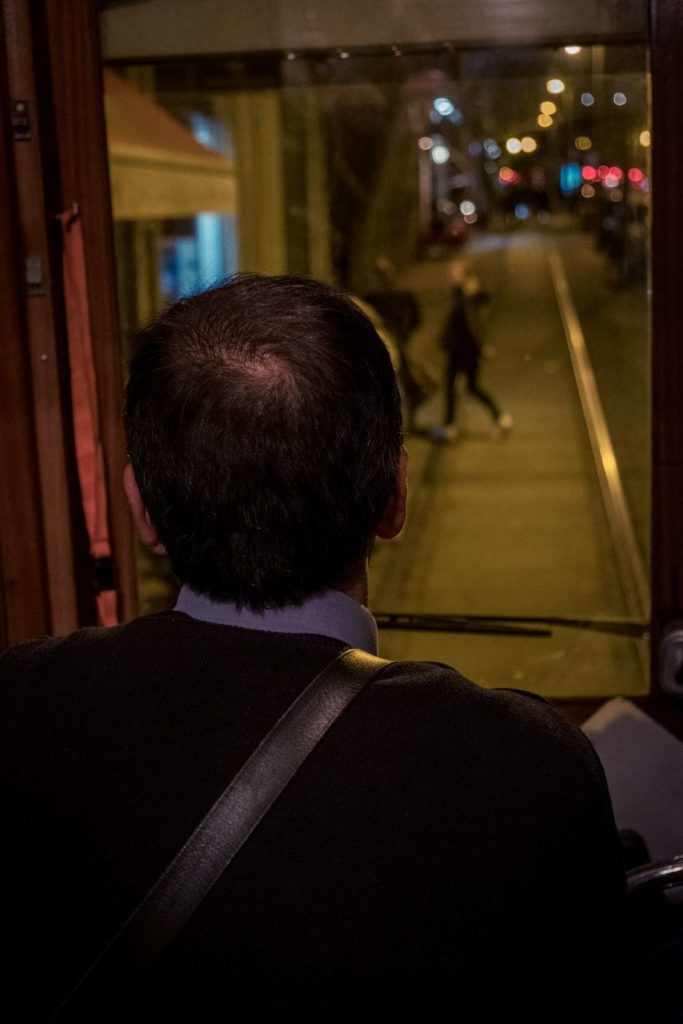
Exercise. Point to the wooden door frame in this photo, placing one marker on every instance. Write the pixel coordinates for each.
(51, 53)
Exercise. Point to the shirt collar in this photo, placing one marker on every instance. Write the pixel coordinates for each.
(328, 613)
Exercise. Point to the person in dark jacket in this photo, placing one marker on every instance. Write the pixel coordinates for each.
(445, 851)
(464, 352)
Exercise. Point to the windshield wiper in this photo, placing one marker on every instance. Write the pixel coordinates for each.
(506, 625)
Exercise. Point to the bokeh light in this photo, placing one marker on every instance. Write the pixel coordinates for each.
(443, 106)
(548, 107)
(587, 99)
(513, 145)
(583, 142)
(645, 138)
(528, 144)
(619, 99)
(544, 120)
(555, 86)
(507, 176)
(440, 154)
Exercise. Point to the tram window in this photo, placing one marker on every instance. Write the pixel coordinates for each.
(512, 181)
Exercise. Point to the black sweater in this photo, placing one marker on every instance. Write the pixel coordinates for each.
(447, 850)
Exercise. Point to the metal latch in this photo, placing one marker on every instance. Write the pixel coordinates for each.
(35, 279)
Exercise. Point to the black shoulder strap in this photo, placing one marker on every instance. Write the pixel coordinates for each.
(202, 860)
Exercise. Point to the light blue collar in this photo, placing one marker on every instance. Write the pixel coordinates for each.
(329, 613)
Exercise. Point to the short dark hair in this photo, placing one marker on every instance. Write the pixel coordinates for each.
(264, 430)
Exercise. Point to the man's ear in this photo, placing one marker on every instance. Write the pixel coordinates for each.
(391, 523)
(143, 524)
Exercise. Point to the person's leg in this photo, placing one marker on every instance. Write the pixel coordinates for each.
(481, 396)
(450, 396)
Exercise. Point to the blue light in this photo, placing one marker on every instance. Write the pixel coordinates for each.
(570, 177)
(522, 211)
(492, 149)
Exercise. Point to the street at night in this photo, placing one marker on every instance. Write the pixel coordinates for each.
(518, 526)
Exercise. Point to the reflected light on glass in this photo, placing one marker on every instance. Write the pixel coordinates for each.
(587, 99)
(572, 50)
(522, 211)
(616, 195)
(467, 207)
(616, 172)
(645, 138)
(440, 154)
(610, 181)
(443, 106)
(513, 145)
(470, 218)
(587, 191)
(528, 144)
(548, 107)
(426, 143)
(589, 173)
(619, 99)
(555, 86)
(492, 148)
(582, 142)
(635, 175)
(544, 120)
(603, 171)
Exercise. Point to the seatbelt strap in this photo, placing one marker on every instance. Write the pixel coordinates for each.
(199, 864)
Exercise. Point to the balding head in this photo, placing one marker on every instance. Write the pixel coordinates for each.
(264, 431)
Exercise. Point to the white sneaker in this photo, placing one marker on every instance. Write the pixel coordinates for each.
(503, 426)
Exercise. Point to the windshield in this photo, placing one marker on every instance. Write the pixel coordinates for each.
(489, 209)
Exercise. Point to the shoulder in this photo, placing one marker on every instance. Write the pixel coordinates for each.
(88, 656)
(514, 726)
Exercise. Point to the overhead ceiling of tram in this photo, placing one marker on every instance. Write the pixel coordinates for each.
(153, 29)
